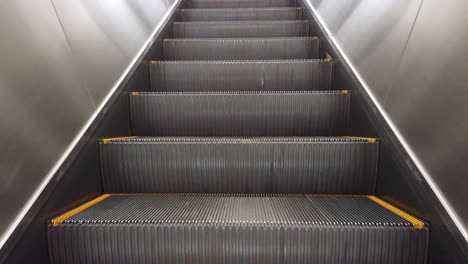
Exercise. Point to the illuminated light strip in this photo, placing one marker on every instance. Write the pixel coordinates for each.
(58, 220)
(456, 220)
(6, 235)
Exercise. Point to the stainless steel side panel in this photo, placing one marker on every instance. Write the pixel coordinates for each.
(43, 103)
(411, 55)
(59, 60)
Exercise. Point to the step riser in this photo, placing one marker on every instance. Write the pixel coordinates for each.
(240, 3)
(241, 76)
(200, 244)
(241, 29)
(241, 14)
(322, 167)
(242, 49)
(294, 114)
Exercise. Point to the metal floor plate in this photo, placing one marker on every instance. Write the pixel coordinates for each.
(241, 14)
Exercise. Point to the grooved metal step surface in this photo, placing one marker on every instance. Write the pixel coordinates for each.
(239, 165)
(223, 228)
(239, 3)
(241, 49)
(241, 29)
(241, 14)
(240, 113)
(272, 75)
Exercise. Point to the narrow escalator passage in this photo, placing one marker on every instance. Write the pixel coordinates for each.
(239, 156)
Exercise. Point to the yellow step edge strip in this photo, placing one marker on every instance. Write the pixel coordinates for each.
(345, 91)
(418, 224)
(107, 140)
(58, 220)
(370, 140)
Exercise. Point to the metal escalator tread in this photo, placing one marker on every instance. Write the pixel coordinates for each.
(241, 49)
(319, 113)
(257, 75)
(239, 165)
(241, 14)
(239, 3)
(237, 228)
(241, 29)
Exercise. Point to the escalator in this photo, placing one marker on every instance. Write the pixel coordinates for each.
(239, 154)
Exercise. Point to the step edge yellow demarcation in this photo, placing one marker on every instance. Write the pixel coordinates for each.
(107, 140)
(369, 139)
(418, 224)
(345, 91)
(58, 220)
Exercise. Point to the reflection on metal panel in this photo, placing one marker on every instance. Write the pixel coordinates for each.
(373, 35)
(105, 35)
(60, 60)
(416, 76)
(42, 102)
(428, 99)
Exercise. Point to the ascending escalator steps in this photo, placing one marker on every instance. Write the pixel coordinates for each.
(323, 113)
(241, 29)
(241, 14)
(263, 75)
(241, 49)
(239, 3)
(242, 165)
(237, 228)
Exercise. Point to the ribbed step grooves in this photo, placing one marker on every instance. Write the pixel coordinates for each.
(241, 49)
(240, 114)
(239, 3)
(241, 14)
(239, 165)
(241, 29)
(200, 76)
(207, 228)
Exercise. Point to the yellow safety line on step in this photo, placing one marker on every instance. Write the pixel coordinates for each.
(345, 91)
(370, 140)
(328, 60)
(153, 62)
(135, 93)
(418, 224)
(57, 221)
(107, 140)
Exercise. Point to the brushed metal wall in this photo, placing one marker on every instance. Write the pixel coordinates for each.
(59, 62)
(411, 57)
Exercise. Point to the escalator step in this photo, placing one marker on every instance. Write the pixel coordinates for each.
(241, 29)
(239, 165)
(240, 113)
(281, 75)
(241, 14)
(239, 3)
(241, 49)
(237, 228)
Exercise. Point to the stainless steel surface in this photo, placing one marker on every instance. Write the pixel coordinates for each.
(266, 75)
(411, 56)
(60, 59)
